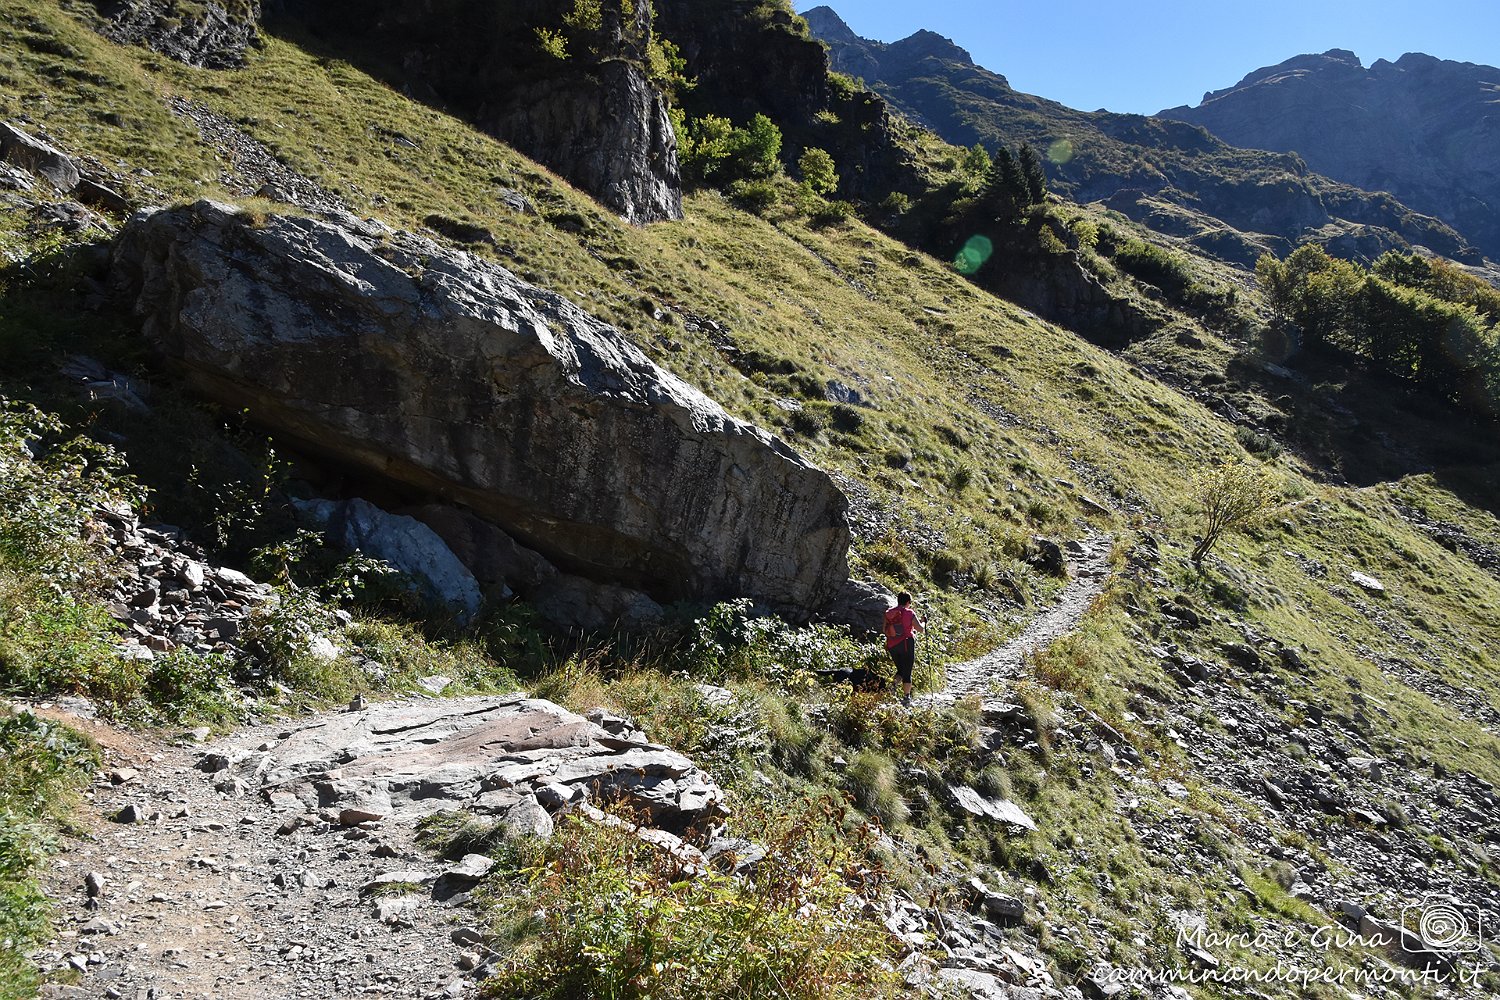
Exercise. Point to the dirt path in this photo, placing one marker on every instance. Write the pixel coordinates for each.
(205, 898)
(1089, 563)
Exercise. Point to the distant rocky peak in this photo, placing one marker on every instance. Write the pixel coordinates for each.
(1335, 61)
(926, 44)
(827, 25)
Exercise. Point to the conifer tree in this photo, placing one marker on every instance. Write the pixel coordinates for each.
(1035, 177)
(1005, 191)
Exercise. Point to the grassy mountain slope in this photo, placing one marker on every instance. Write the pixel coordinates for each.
(984, 425)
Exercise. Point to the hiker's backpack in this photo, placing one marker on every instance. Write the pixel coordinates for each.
(896, 630)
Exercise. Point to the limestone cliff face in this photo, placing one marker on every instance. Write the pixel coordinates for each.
(747, 61)
(450, 376)
(1423, 129)
(588, 111)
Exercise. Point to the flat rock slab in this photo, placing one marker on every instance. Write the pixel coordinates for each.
(1000, 810)
(486, 754)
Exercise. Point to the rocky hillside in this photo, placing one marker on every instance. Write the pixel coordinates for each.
(1422, 128)
(391, 535)
(1232, 202)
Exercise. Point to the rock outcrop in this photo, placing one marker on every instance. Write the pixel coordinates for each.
(36, 157)
(748, 59)
(449, 375)
(206, 35)
(585, 107)
(1422, 128)
(497, 756)
(606, 131)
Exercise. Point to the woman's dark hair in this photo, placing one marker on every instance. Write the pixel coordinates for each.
(903, 599)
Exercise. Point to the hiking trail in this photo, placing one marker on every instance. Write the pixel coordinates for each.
(1088, 560)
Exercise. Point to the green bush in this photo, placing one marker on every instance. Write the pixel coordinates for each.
(597, 912)
(846, 419)
(732, 641)
(713, 150)
(832, 213)
(757, 196)
(52, 486)
(1152, 264)
(818, 171)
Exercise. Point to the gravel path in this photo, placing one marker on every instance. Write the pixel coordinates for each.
(1089, 562)
(206, 898)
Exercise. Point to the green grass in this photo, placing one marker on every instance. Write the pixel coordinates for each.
(44, 766)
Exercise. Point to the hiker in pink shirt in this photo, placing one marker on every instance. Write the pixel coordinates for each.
(901, 627)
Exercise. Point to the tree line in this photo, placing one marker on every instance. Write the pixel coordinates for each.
(1422, 320)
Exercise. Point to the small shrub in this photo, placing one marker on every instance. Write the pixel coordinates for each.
(984, 574)
(184, 686)
(1231, 495)
(944, 564)
(807, 422)
(846, 418)
(1257, 443)
(733, 641)
(757, 196)
(873, 782)
(832, 213)
(818, 171)
(598, 912)
(1049, 242)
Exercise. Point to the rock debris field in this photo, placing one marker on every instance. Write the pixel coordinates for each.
(282, 862)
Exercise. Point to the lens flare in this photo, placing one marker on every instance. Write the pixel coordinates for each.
(1061, 151)
(972, 257)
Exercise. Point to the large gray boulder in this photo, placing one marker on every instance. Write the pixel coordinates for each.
(447, 373)
(488, 755)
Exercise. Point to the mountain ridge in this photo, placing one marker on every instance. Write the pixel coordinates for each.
(1227, 200)
(1420, 127)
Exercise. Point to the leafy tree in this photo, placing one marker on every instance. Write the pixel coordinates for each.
(1233, 495)
(976, 162)
(711, 150)
(703, 145)
(817, 170)
(755, 151)
(1033, 174)
(1276, 284)
(1422, 320)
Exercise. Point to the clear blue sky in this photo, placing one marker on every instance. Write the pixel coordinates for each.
(1147, 55)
